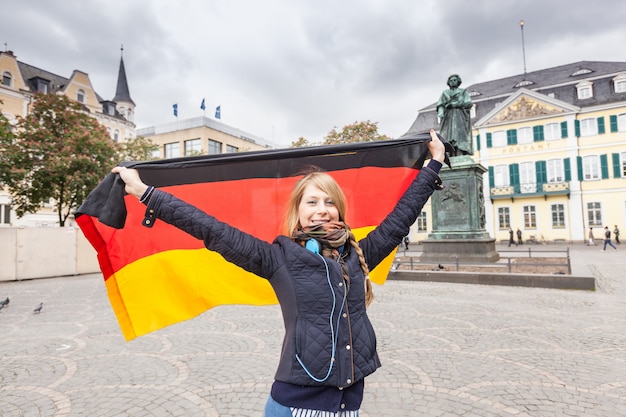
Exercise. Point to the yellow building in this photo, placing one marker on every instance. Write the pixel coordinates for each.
(554, 144)
(21, 81)
(200, 136)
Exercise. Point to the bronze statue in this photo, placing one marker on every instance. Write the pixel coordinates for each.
(453, 110)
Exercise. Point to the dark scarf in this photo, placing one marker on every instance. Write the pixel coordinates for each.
(331, 236)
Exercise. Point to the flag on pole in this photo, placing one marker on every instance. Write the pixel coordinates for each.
(202, 106)
(218, 112)
(175, 107)
(159, 276)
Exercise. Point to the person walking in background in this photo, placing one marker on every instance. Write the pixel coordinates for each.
(519, 236)
(592, 240)
(406, 243)
(607, 239)
(511, 237)
(616, 233)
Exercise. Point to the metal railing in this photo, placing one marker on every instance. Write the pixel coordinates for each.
(413, 261)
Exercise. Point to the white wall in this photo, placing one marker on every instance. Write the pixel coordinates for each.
(44, 252)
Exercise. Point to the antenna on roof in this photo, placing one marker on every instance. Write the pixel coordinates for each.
(521, 25)
(122, 50)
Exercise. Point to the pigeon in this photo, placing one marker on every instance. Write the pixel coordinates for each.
(37, 309)
(4, 303)
(441, 266)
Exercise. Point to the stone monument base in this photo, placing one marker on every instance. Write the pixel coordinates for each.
(467, 250)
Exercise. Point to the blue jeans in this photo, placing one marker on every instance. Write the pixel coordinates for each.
(274, 409)
(608, 242)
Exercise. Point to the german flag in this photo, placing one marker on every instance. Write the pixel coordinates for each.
(159, 276)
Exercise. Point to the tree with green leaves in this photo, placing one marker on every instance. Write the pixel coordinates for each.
(58, 154)
(138, 149)
(300, 143)
(357, 132)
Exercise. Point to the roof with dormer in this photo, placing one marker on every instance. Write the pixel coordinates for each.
(557, 82)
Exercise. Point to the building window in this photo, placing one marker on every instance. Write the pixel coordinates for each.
(552, 131)
(585, 90)
(527, 177)
(588, 127)
(5, 213)
(623, 164)
(621, 122)
(556, 172)
(524, 135)
(504, 217)
(116, 135)
(42, 86)
(498, 139)
(172, 150)
(7, 79)
(558, 216)
(80, 96)
(530, 217)
(591, 167)
(594, 214)
(231, 149)
(215, 147)
(422, 222)
(619, 83)
(501, 176)
(193, 147)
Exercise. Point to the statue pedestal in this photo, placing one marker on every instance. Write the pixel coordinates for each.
(458, 217)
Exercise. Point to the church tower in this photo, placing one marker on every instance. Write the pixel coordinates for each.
(124, 104)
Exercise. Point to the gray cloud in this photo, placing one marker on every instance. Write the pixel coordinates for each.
(283, 69)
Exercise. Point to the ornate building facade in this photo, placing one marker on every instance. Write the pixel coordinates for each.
(554, 144)
(21, 81)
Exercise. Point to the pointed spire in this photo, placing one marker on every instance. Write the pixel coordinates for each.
(122, 93)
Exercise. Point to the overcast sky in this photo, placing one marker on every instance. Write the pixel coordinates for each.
(282, 69)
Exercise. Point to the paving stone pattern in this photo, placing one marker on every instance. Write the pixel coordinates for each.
(446, 349)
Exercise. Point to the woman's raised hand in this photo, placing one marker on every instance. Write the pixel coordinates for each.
(436, 147)
(134, 185)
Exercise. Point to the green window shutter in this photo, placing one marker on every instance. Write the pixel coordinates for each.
(489, 144)
(617, 167)
(604, 166)
(563, 130)
(577, 128)
(613, 123)
(568, 170)
(579, 165)
(541, 172)
(492, 180)
(514, 176)
(538, 133)
(601, 129)
(511, 137)
(478, 143)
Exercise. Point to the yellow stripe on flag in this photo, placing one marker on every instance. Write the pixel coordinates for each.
(176, 285)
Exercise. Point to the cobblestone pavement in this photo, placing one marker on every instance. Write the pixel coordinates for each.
(446, 349)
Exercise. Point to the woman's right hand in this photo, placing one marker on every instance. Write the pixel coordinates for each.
(134, 185)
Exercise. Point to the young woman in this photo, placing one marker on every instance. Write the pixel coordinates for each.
(320, 275)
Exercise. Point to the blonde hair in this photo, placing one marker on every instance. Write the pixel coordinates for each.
(328, 185)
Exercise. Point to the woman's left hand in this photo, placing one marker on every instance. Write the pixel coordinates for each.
(436, 147)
